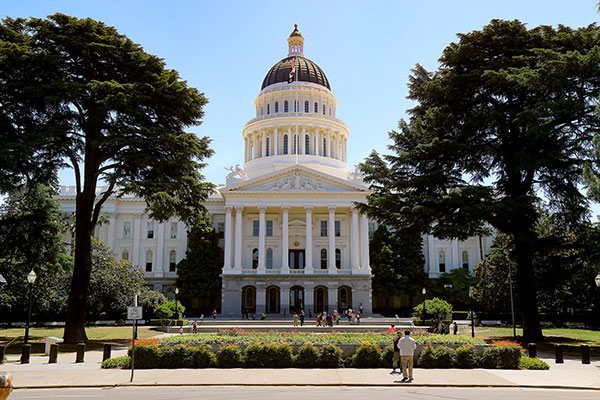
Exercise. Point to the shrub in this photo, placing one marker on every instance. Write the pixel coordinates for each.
(531, 363)
(270, 355)
(202, 356)
(330, 357)
(366, 356)
(175, 357)
(507, 357)
(229, 356)
(167, 309)
(387, 357)
(146, 356)
(437, 357)
(117, 362)
(466, 356)
(307, 357)
(168, 322)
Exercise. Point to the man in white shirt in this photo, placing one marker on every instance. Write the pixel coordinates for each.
(407, 348)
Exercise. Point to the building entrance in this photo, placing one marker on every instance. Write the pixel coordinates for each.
(296, 259)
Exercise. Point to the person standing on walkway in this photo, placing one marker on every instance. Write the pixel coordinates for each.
(214, 314)
(455, 327)
(195, 327)
(302, 317)
(392, 329)
(295, 319)
(407, 348)
(396, 351)
(5, 385)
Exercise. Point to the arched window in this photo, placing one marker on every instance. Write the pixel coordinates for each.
(338, 258)
(268, 109)
(125, 255)
(295, 149)
(254, 258)
(276, 106)
(172, 260)
(324, 147)
(465, 259)
(285, 144)
(286, 106)
(323, 109)
(269, 258)
(306, 144)
(268, 146)
(306, 106)
(295, 105)
(323, 258)
(149, 261)
(316, 107)
(442, 263)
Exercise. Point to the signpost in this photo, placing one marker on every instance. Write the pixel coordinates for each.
(134, 313)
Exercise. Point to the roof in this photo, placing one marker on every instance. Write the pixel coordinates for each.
(306, 70)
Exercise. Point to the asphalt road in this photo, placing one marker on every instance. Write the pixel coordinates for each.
(303, 392)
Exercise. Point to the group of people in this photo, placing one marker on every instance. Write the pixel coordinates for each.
(299, 316)
(444, 329)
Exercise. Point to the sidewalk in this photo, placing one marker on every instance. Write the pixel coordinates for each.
(39, 374)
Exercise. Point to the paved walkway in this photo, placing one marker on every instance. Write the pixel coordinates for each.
(66, 373)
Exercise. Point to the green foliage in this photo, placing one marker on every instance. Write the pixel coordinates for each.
(454, 287)
(533, 363)
(31, 228)
(502, 121)
(435, 308)
(387, 357)
(269, 355)
(168, 322)
(466, 357)
(229, 356)
(199, 273)
(437, 357)
(202, 357)
(330, 356)
(506, 357)
(150, 299)
(367, 355)
(117, 362)
(307, 357)
(146, 356)
(167, 309)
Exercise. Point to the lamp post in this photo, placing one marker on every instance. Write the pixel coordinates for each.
(176, 302)
(512, 304)
(424, 298)
(31, 280)
(472, 319)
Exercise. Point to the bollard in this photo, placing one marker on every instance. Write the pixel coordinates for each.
(585, 354)
(531, 349)
(106, 354)
(80, 352)
(53, 353)
(558, 354)
(25, 353)
(2, 351)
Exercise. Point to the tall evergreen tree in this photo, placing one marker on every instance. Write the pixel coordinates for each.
(76, 92)
(508, 115)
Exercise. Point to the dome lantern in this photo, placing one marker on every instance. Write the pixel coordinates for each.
(296, 43)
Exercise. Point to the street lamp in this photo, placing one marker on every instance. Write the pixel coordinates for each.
(31, 280)
(512, 304)
(472, 323)
(176, 302)
(424, 298)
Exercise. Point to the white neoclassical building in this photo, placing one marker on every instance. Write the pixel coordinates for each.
(291, 236)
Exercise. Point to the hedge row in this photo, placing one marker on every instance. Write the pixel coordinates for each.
(280, 355)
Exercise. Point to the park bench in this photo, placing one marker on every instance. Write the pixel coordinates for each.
(580, 325)
(491, 322)
(50, 340)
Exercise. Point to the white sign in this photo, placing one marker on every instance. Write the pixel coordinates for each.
(134, 312)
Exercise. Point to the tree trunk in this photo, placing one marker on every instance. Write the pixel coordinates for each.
(80, 283)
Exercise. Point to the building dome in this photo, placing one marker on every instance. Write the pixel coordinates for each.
(307, 70)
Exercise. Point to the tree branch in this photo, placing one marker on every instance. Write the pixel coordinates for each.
(76, 169)
(106, 167)
(100, 203)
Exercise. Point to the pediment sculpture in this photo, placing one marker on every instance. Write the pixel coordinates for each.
(297, 182)
(236, 171)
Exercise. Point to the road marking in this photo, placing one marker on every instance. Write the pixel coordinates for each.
(77, 396)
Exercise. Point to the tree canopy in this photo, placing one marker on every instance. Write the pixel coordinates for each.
(507, 118)
(74, 92)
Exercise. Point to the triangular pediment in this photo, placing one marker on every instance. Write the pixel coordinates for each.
(296, 179)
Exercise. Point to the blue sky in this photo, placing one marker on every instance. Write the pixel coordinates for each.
(366, 49)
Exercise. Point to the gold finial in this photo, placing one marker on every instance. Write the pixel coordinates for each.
(296, 43)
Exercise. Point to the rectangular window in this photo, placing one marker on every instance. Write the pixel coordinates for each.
(316, 107)
(255, 226)
(338, 228)
(323, 228)
(372, 228)
(150, 230)
(306, 144)
(306, 106)
(269, 228)
(172, 261)
(126, 230)
(221, 229)
(173, 230)
(149, 261)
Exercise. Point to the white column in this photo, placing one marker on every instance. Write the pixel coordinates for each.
(284, 300)
(228, 237)
(245, 149)
(160, 245)
(254, 147)
(263, 144)
(364, 244)
(290, 141)
(317, 144)
(309, 246)
(262, 230)
(345, 149)
(454, 254)
(261, 300)
(285, 258)
(328, 149)
(331, 235)
(301, 142)
(237, 260)
(354, 261)
(433, 260)
(275, 142)
(137, 235)
(337, 147)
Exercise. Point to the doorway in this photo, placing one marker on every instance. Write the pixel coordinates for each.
(296, 299)
(296, 259)
(321, 299)
(272, 300)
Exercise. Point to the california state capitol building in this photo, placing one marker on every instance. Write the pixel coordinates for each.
(291, 236)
